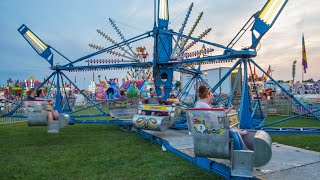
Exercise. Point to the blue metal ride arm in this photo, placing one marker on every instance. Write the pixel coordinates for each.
(108, 66)
(60, 54)
(284, 90)
(192, 38)
(58, 106)
(182, 29)
(45, 81)
(257, 94)
(285, 119)
(228, 55)
(187, 71)
(134, 39)
(226, 75)
(270, 12)
(241, 32)
(102, 111)
(245, 112)
(36, 43)
(234, 85)
(52, 82)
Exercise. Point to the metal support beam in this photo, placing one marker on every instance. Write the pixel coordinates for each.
(94, 104)
(284, 90)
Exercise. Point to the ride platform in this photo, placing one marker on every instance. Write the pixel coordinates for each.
(286, 163)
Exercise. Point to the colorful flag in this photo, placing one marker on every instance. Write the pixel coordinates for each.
(255, 76)
(304, 56)
(268, 72)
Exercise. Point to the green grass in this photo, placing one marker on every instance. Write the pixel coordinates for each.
(87, 152)
(310, 142)
(296, 122)
(106, 152)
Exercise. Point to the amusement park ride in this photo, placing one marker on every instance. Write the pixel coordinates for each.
(171, 54)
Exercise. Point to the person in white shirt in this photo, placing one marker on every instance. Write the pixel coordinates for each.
(205, 99)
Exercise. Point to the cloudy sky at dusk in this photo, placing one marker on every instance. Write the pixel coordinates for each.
(69, 26)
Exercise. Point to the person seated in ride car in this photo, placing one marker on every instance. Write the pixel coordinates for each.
(31, 94)
(205, 99)
(153, 99)
(122, 95)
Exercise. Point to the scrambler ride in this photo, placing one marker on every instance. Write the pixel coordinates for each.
(210, 128)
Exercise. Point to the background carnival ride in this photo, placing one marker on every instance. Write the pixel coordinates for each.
(171, 54)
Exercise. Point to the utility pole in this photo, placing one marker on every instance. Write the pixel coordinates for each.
(293, 74)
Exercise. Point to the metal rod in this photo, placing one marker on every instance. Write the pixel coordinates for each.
(102, 111)
(134, 39)
(234, 85)
(286, 119)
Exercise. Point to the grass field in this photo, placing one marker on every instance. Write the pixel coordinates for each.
(310, 142)
(87, 152)
(107, 152)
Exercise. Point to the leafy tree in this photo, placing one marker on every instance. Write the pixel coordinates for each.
(310, 80)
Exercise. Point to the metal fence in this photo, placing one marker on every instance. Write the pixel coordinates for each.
(7, 106)
(287, 107)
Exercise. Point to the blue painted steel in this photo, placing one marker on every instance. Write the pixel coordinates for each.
(51, 84)
(255, 106)
(13, 110)
(197, 87)
(58, 94)
(87, 115)
(234, 85)
(60, 54)
(226, 75)
(163, 23)
(192, 38)
(187, 71)
(46, 53)
(109, 122)
(182, 29)
(285, 119)
(260, 27)
(245, 113)
(163, 75)
(131, 40)
(47, 79)
(277, 130)
(284, 90)
(84, 109)
(257, 94)
(16, 116)
(242, 31)
(216, 95)
(95, 105)
(101, 67)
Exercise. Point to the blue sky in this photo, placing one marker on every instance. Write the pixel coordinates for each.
(70, 25)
